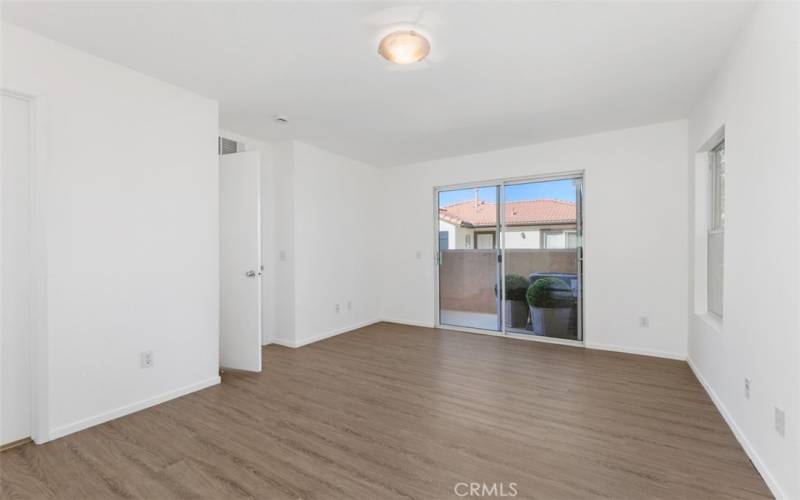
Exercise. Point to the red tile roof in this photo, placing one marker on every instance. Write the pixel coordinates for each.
(529, 212)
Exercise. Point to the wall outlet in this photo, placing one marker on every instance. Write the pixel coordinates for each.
(349, 306)
(337, 308)
(780, 422)
(644, 322)
(419, 254)
(747, 388)
(146, 359)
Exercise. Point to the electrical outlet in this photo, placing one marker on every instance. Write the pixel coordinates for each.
(349, 305)
(419, 255)
(780, 422)
(747, 388)
(337, 308)
(147, 359)
(644, 321)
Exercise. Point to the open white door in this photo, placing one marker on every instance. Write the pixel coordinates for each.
(240, 261)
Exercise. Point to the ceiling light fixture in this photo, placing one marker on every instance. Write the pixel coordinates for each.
(404, 47)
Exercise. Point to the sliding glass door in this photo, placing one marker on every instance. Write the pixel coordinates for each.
(510, 258)
(541, 235)
(468, 226)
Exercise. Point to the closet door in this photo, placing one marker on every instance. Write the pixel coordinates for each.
(15, 301)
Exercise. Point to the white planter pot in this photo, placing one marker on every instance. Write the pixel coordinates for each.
(551, 322)
(516, 313)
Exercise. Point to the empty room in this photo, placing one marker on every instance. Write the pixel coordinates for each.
(400, 250)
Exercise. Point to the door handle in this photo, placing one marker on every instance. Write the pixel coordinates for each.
(250, 274)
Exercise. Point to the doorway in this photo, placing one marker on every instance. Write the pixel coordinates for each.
(16, 271)
(510, 258)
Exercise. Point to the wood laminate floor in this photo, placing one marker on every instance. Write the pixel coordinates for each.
(391, 411)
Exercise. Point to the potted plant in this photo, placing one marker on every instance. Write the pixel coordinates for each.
(515, 307)
(550, 300)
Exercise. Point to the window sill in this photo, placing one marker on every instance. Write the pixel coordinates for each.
(712, 320)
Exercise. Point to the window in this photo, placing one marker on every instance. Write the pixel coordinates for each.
(484, 241)
(553, 239)
(444, 240)
(556, 239)
(717, 165)
(716, 228)
(572, 239)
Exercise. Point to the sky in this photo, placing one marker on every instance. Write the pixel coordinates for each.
(553, 190)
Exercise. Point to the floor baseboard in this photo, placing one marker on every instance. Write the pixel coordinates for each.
(15, 444)
(409, 322)
(602, 347)
(300, 343)
(759, 464)
(128, 409)
(634, 350)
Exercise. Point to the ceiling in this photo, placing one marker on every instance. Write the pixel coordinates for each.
(499, 74)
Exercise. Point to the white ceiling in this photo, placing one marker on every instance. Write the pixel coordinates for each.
(499, 75)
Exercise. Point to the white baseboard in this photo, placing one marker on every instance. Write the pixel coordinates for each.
(602, 347)
(284, 343)
(636, 350)
(317, 338)
(410, 323)
(128, 409)
(773, 485)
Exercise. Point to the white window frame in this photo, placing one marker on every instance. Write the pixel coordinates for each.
(717, 185)
(558, 232)
(716, 231)
(573, 233)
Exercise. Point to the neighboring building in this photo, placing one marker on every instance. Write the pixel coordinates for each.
(529, 224)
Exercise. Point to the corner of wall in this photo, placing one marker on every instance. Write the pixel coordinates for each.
(754, 97)
(283, 251)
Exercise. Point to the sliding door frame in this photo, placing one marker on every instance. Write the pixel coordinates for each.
(437, 258)
(500, 247)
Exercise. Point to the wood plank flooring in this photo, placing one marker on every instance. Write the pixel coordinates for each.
(392, 411)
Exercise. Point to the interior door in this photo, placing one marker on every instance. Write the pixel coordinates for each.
(15, 385)
(240, 261)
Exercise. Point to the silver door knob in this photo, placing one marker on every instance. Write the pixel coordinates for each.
(250, 274)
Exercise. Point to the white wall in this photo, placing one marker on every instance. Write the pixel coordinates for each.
(321, 235)
(129, 193)
(755, 97)
(337, 236)
(532, 240)
(319, 247)
(635, 180)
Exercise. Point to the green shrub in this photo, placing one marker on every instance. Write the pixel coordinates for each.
(516, 286)
(549, 293)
